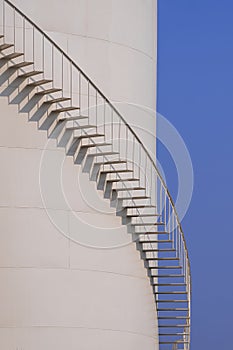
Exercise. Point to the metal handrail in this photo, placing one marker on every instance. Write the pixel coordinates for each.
(106, 99)
(122, 119)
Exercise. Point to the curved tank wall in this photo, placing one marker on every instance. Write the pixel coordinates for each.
(62, 285)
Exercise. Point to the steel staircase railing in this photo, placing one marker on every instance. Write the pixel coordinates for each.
(40, 77)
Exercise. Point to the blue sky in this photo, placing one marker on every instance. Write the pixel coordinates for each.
(195, 93)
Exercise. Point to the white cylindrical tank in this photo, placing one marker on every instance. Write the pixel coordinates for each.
(70, 278)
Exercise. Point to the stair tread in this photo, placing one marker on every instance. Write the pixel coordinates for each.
(165, 267)
(21, 64)
(152, 234)
(99, 154)
(71, 118)
(148, 223)
(173, 301)
(116, 171)
(79, 127)
(129, 189)
(139, 206)
(173, 292)
(96, 145)
(120, 180)
(143, 215)
(57, 100)
(169, 276)
(173, 309)
(48, 91)
(31, 73)
(12, 55)
(110, 162)
(40, 82)
(173, 318)
(5, 46)
(170, 284)
(164, 250)
(64, 109)
(89, 136)
(133, 197)
(155, 241)
(161, 259)
(174, 326)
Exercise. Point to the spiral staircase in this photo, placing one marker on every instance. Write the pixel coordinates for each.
(44, 82)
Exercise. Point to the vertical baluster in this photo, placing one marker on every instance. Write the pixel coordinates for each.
(133, 155)
(88, 100)
(33, 46)
(119, 135)
(96, 109)
(4, 19)
(14, 37)
(161, 198)
(126, 145)
(112, 128)
(165, 209)
(71, 83)
(24, 43)
(145, 177)
(52, 59)
(139, 164)
(104, 101)
(43, 55)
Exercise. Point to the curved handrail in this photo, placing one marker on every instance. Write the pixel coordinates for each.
(107, 100)
(122, 119)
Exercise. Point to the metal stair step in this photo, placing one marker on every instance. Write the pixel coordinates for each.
(129, 189)
(116, 171)
(99, 154)
(57, 100)
(174, 326)
(40, 82)
(21, 64)
(173, 309)
(121, 180)
(110, 162)
(172, 292)
(80, 127)
(65, 109)
(172, 334)
(168, 276)
(172, 301)
(144, 239)
(149, 224)
(87, 136)
(71, 118)
(173, 318)
(181, 341)
(30, 74)
(5, 46)
(165, 267)
(133, 197)
(48, 91)
(139, 206)
(151, 250)
(162, 259)
(142, 215)
(11, 56)
(96, 145)
(163, 250)
(170, 284)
